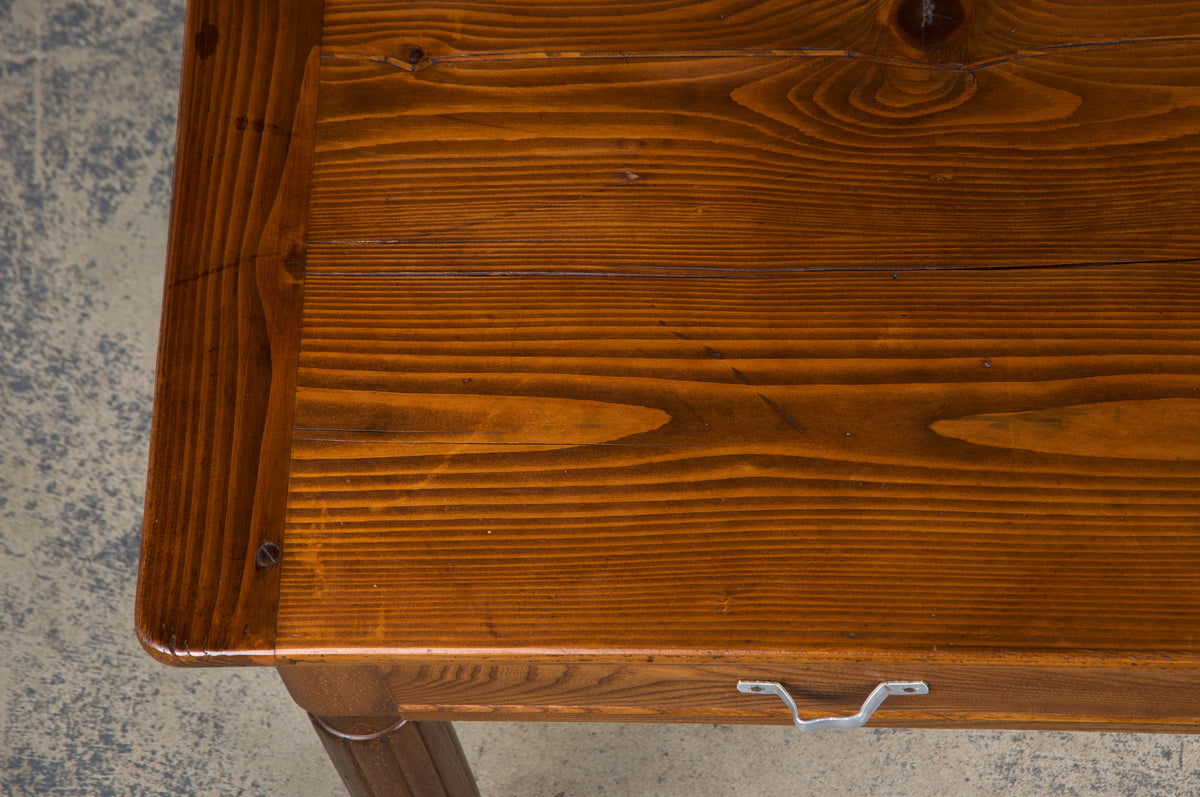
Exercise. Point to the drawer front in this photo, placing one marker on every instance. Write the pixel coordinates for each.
(960, 696)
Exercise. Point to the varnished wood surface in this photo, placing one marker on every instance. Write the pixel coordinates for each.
(854, 462)
(987, 31)
(378, 757)
(673, 149)
(569, 387)
(637, 348)
(1151, 695)
(962, 695)
(231, 305)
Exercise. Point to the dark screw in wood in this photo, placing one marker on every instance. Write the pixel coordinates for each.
(267, 556)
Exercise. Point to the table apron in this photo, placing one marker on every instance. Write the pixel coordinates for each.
(960, 695)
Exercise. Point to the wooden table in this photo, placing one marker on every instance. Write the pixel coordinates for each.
(565, 360)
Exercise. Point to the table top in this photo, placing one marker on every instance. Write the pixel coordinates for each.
(613, 331)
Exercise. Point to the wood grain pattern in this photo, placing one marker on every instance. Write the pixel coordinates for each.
(393, 424)
(640, 347)
(806, 494)
(447, 29)
(1147, 429)
(226, 368)
(989, 691)
(960, 695)
(757, 164)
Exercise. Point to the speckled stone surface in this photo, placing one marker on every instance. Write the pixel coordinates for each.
(87, 107)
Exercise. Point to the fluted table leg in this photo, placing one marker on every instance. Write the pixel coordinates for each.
(386, 757)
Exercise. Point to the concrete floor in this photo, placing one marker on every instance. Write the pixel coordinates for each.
(87, 107)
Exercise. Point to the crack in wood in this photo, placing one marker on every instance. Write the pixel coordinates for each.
(428, 61)
(665, 272)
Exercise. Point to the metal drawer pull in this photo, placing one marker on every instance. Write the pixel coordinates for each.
(873, 701)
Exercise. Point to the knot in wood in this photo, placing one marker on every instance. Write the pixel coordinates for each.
(930, 22)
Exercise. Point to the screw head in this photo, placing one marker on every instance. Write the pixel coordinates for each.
(267, 556)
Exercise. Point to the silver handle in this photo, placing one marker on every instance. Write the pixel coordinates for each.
(873, 701)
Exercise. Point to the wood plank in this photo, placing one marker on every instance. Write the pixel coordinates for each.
(226, 366)
(444, 29)
(752, 164)
(983, 691)
(845, 461)
(959, 694)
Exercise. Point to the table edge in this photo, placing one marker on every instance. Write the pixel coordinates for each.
(207, 582)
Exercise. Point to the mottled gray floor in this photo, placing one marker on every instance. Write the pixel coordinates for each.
(87, 105)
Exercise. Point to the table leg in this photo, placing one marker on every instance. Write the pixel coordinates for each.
(386, 757)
